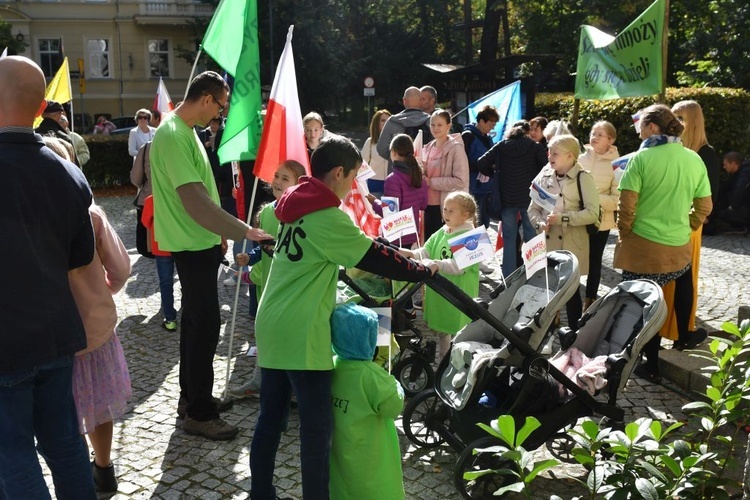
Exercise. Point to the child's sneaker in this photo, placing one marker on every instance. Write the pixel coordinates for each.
(170, 326)
(246, 391)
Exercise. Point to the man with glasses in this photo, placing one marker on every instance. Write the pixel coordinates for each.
(189, 223)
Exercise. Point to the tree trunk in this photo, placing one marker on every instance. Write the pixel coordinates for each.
(746, 482)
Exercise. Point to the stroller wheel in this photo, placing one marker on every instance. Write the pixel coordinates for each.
(420, 416)
(483, 486)
(414, 374)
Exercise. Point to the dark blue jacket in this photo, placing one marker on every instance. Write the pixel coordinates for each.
(514, 163)
(476, 144)
(46, 231)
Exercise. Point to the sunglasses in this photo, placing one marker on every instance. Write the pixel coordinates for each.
(143, 118)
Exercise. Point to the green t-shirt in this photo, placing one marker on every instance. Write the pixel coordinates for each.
(441, 315)
(293, 326)
(365, 454)
(177, 158)
(667, 178)
(270, 224)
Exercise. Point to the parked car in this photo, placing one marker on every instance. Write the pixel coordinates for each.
(83, 123)
(124, 124)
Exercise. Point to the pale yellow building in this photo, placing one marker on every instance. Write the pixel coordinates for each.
(124, 46)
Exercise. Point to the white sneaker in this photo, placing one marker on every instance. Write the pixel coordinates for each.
(230, 281)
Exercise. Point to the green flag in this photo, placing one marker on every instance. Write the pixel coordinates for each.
(235, 22)
(627, 65)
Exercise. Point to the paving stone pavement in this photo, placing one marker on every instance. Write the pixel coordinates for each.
(154, 458)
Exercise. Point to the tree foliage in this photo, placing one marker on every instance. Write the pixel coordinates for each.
(8, 39)
(337, 43)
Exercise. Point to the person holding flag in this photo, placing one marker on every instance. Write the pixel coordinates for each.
(191, 225)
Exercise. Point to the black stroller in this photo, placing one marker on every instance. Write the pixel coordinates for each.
(503, 373)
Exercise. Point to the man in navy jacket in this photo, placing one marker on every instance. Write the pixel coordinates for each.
(46, 231)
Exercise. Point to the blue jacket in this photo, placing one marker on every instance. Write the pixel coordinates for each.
(476, 144)
(46, 232)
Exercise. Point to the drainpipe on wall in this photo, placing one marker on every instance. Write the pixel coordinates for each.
(119, 54)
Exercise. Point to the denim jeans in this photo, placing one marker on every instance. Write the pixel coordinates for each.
(313, 391)
(199, 329)
(510, 230)
(38, 403)
(165, 271)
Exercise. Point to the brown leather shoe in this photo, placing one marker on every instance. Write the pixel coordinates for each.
(216, 429)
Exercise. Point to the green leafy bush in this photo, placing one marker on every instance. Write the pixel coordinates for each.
(110, 162)
(727, 114)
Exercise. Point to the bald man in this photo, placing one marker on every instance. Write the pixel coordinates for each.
(46, 232)
(409, 121)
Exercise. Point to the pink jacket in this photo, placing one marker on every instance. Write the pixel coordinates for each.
(454, 169)
(93, 285)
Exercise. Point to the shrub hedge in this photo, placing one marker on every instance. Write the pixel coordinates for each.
(110, 162)
(727, 114)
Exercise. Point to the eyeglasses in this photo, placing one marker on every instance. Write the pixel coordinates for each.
(222, 107)
(143, 117)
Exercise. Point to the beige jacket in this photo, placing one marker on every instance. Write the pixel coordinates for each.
(600, 166)
(377, 163)
(571, 236)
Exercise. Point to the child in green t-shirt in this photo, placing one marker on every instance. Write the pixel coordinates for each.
(459, 214)
(287, 174)
(365, 455)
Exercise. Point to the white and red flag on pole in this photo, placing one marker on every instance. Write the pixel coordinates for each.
(283, 135)
(162, 101)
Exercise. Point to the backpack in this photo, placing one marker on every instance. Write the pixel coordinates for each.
(424, 127)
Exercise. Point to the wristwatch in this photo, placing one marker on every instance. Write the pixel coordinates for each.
(565, 220)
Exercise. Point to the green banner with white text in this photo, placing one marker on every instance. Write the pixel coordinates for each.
(627, 65)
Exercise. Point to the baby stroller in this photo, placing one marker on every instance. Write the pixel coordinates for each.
(412, 356)
(612, 331)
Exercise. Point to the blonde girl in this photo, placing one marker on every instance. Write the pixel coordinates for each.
(314, 130)
(565, 225)
(597, 160)
(690, 114)
(459, 214)
(287, 174)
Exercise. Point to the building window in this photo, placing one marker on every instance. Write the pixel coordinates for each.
(98, 52)
(158, 56)
(50, 55)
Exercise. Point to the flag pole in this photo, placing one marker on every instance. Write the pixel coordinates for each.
(192, 71)
(664, 53)
(237, 297)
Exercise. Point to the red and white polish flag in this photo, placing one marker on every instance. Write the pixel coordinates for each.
(162, 101)
(283, 136)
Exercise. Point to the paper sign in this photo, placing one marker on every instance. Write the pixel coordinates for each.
(365, 172)
(542, 197)
(535, 254)
(472, 247)
(384, 325)
(398, 225)
(390, 205)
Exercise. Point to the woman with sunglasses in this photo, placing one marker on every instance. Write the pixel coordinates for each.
(141, 133)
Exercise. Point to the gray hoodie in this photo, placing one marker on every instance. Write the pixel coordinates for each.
(397, 124)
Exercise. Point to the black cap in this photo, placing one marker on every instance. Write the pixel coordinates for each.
(53, 107)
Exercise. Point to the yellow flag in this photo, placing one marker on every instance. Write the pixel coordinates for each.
(59, 88)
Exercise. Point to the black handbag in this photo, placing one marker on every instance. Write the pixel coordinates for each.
(592, 229)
